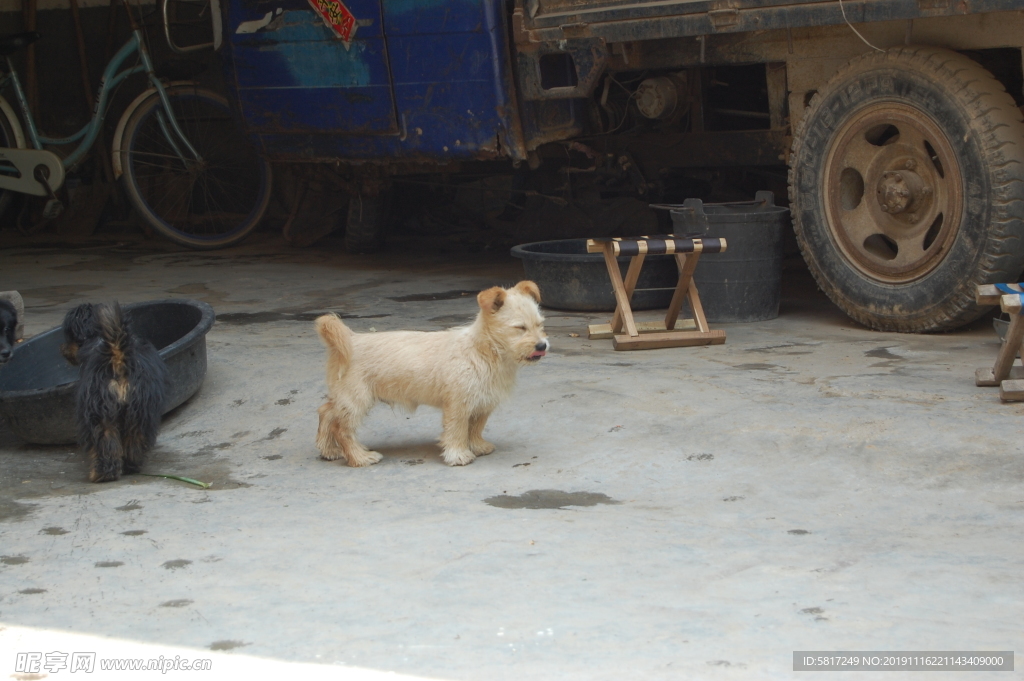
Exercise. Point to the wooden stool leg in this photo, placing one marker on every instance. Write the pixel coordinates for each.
(1004, 361)
(621, 299)
(632, 275)
(698, 310)
(686, 264)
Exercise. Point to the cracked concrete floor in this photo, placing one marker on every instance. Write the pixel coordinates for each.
(665, 514)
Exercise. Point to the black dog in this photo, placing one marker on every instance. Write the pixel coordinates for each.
(8, 323)
(120, 390)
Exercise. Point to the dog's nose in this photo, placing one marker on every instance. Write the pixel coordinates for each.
(541, 346)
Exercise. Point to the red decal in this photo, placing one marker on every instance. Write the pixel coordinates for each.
(337, 17)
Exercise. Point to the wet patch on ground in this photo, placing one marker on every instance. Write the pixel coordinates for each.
(785, 348)
(246, 318)
(202, 292)
(440, 295)
(757, 366)
(104, 263)
(54, 295)
(32, 472)
(209, 449)
(176, 564)
(550, 499)
(453, 319)
(36, 471)
(227, 645)
(882, 353)
(13, 560)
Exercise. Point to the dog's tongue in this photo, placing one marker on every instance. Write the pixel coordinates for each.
(537, 354)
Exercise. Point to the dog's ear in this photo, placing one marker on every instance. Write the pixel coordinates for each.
(529, 288)
(492, 299)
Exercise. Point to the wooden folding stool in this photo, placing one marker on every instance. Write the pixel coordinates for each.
(673, 332)
(1003, 373)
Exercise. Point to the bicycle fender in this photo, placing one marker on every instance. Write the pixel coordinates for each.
(12, 118)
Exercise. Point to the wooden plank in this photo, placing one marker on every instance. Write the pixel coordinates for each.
(1010, 303)
(1012, 391)
(1007, 353)
(604, 331)
(775, 77)
(669, 339)
(622, 302)
(988, 294)
(632, 275)
(984, 377)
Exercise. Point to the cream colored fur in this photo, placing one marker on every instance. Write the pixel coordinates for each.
(466, 372)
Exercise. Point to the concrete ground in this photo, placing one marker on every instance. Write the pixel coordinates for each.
(664, 514)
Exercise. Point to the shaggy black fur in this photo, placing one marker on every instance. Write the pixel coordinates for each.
(79, 327)
(120, 391)
(8, 322)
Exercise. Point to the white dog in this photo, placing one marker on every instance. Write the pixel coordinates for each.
(466, 372)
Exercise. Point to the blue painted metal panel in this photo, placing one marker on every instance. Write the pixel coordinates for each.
(295, 74)
(424, 17)
(443, 63)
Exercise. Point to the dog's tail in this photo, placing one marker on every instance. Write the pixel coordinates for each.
(337, 337)
(113, 330)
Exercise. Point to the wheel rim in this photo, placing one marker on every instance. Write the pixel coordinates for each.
(893, 192)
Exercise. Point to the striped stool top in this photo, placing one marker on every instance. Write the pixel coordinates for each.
(661, 244)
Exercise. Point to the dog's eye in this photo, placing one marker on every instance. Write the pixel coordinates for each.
(521, 327)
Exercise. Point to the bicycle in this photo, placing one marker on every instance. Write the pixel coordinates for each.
(185, 166)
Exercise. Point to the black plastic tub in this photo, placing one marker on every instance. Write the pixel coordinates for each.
(744, 284)
(37, 386)
(572, 279)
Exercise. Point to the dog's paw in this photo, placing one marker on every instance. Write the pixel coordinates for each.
(332, 455)
(481, 447)
(458, 457)
(365, 458)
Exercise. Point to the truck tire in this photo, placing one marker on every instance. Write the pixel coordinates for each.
(906, 186)
(367, 222)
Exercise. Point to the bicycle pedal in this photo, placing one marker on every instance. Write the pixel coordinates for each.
(52, 209)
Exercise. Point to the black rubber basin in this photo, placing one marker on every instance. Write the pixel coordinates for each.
(37, 386)
(572, 279)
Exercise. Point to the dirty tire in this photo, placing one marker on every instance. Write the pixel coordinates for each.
(366, 225)
(932, 286)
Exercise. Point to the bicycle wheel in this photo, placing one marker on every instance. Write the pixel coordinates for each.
(210, 203)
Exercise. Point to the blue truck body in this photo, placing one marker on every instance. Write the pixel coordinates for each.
(418, 80)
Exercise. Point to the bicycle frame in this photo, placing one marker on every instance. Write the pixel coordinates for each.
(113, 76)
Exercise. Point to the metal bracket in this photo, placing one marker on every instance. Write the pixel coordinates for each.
(215, 20)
